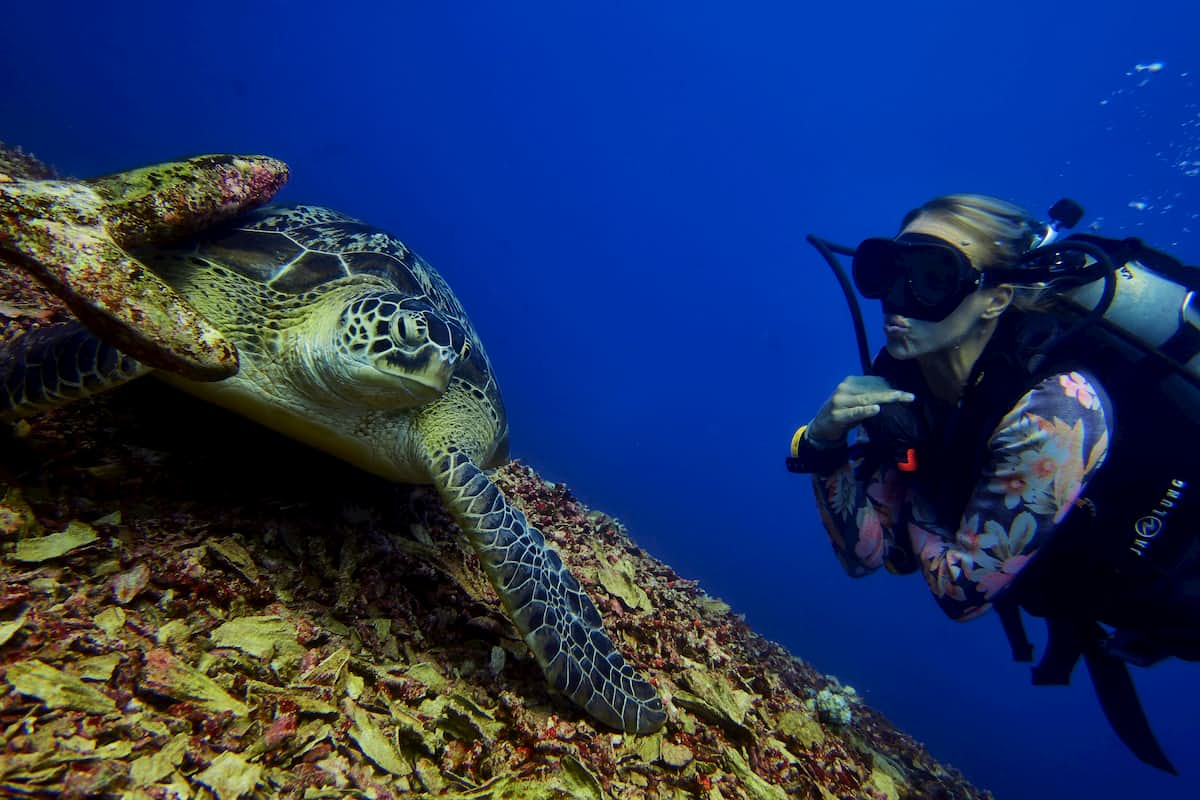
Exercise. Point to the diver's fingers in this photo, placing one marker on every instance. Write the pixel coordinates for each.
(856, 398)
(849, 416)
(850, 396)
(890, 396)
(860, 384)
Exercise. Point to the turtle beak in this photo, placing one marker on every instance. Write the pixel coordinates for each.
(423, 372)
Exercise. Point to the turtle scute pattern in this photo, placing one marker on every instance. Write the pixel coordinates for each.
(560, 623)
(47, 367)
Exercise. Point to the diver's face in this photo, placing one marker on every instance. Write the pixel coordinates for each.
(911, 338)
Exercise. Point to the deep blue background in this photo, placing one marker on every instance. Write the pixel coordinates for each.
(620, 197)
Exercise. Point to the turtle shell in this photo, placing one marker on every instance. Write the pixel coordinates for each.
(296, 250)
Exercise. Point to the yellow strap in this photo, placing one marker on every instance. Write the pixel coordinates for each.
(796, 437)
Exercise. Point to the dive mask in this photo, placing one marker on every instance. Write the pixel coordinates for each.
(915, 275)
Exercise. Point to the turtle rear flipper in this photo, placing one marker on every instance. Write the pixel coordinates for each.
(73, 237)
(546, 602)
(56, 364)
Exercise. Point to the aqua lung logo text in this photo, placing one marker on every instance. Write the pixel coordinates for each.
(1148, 527)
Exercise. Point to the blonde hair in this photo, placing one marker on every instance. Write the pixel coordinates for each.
(1005, 230)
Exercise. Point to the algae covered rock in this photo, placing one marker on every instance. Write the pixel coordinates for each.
(323, 657)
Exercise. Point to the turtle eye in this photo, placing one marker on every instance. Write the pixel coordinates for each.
(411, 328)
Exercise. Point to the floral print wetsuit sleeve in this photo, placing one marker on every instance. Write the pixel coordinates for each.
(1040, 458)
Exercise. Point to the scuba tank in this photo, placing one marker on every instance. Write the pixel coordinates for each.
(1154, 306)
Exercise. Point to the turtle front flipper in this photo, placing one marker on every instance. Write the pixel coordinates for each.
(73, 237)
(546, 602)
(54, 365)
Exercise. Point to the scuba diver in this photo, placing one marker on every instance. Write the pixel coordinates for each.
(1008, 440)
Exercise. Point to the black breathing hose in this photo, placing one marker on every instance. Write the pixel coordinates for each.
(827, 250)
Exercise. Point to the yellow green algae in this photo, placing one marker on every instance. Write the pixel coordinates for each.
(77, 238)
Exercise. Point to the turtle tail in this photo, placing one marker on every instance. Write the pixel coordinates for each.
(546, 602)
(54, 365)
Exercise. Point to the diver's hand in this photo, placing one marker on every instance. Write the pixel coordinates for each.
(856, 398)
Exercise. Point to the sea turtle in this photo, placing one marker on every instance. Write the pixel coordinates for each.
(345, 340)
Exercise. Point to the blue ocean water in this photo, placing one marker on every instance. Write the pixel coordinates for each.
(619, 193)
